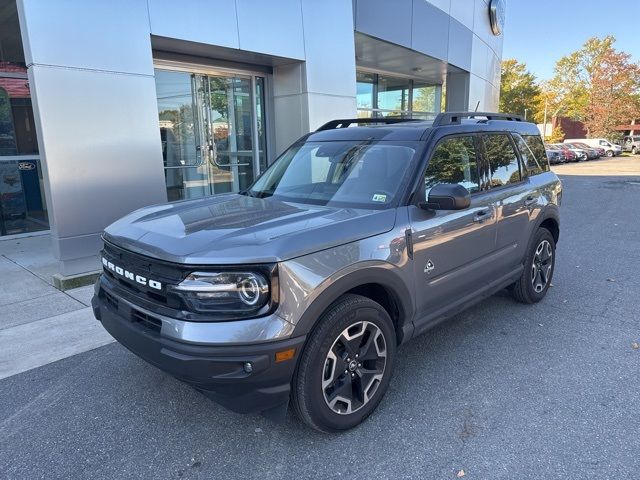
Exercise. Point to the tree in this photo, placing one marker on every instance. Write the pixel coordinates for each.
(597, 85)
(519, 91)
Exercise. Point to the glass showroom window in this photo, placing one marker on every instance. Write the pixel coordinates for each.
(381, 95)
(22, 201)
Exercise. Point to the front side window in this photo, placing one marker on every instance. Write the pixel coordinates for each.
(345, 173)
(453, 161)
(501, 159)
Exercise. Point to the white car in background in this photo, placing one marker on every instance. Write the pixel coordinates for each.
(610, 148)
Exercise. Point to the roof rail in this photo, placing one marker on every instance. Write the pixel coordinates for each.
(345, 122)
(452, 118)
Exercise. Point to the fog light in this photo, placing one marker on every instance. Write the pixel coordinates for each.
(248, 367)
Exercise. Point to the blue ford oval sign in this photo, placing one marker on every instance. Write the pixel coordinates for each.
(496, 15)
(26, 166)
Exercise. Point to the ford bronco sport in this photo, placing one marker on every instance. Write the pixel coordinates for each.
(352, 242)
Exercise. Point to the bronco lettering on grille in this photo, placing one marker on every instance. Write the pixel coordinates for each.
(118, 270)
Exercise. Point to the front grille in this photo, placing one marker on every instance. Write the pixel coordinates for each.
(151, 269)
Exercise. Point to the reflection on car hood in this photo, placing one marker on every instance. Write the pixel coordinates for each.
(233, 228)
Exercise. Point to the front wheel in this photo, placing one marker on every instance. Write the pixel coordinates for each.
(346, 365)
(634, 150)
(538, 269)
(609, 153)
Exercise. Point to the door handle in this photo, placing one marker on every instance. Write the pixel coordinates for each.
(482, 215)
(530, 200)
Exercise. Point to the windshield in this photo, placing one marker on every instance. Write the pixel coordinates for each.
(347, 173)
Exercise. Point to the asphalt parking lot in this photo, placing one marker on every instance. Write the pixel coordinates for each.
(501, 391)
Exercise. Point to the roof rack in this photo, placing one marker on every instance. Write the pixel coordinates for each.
(345, 122)
(452, 118)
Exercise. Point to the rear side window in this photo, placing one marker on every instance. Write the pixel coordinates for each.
(533, 154)
(501, 159)
(453, 161)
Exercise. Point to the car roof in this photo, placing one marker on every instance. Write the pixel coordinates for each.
(413, 130)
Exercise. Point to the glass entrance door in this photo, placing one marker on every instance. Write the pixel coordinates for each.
(212, 133)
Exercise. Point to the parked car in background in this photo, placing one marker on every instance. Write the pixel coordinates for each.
(611, 149)
(569, 156)
(555, 155)
(631, 143)
(592, 153)
(579, 154)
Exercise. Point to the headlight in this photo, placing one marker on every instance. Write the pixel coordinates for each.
(232, 293)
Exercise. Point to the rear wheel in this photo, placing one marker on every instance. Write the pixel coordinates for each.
(346, 365)
(634, 150)
(538, 269)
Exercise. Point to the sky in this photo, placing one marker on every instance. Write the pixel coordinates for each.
(539, 32)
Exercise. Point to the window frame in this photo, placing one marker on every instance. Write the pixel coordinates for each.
(474, 137)
(485, 162)
(545, 166)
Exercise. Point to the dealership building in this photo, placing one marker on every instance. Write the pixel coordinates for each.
(108, 106)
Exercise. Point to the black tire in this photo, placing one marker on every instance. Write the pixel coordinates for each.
(609, 153)
(634, 150)
(310, 399)
(527, 288)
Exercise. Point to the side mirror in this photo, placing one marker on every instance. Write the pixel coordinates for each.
(447, 196)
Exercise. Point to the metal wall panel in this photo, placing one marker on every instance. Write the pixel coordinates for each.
(273, 27)
(460, 38)
(291, 120)
(323, 108)
(211, 22)
(444, 5)
(390, 22)
(463, 12)
(478, 94)
(89, 34)
(99, 135)
(430, 29)
(457, 99)
(480, 54)
(329, 52)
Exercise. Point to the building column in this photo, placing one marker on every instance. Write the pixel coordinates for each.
(457, 92)
(323, 87)
(91, 75)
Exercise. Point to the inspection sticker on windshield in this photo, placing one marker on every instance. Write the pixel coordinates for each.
(379, 197)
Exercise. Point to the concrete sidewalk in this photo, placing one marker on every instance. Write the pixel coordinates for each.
(38, 323)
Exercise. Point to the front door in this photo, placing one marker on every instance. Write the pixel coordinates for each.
(452, 249)
(212, 132)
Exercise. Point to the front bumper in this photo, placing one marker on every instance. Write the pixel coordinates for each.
(217, 370)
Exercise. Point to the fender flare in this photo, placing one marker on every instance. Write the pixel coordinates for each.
(551, 211)
(381, 274)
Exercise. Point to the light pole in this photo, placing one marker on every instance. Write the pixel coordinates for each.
(525, 113)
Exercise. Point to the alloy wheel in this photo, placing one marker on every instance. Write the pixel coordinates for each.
(541, 267)
(354, 367)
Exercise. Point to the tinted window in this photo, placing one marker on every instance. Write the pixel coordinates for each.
(501, 159)
(453, 161)
(533, 153)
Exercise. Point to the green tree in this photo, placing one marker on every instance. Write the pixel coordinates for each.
(597, 85)
(519, 90)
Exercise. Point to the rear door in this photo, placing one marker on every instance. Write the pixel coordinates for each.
(510, 191)
(452, 249)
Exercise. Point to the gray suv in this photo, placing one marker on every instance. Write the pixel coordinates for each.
(355, 240)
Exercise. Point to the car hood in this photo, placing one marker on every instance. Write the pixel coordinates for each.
(236, 229)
